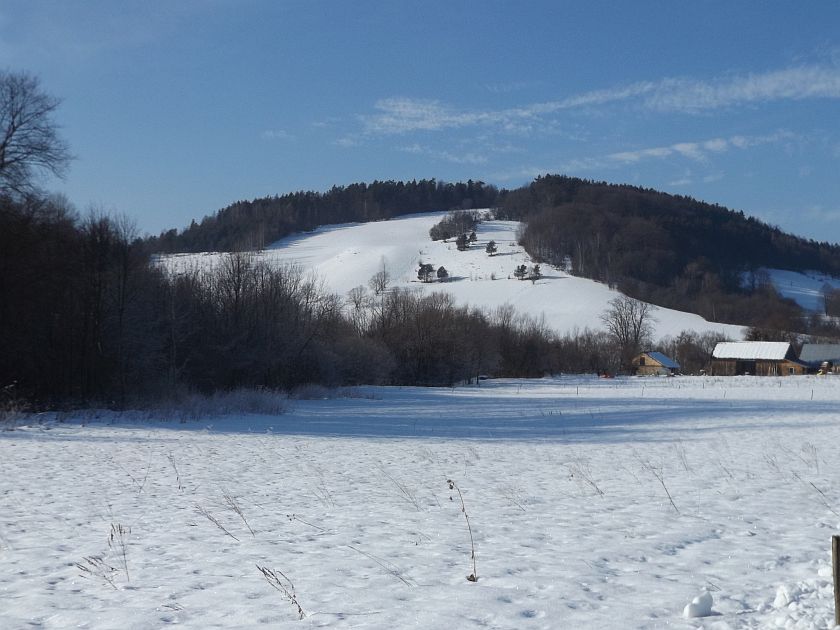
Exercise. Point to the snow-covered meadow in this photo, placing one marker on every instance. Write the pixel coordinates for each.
(346, 256)
(592, 504)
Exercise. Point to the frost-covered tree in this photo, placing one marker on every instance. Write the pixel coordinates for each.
(491, 248)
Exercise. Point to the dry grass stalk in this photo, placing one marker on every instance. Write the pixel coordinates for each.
(200, 509)
(282, 583)
(95, 566)
(472, 577)
(171, 459)
(118, 542)
(233, 505)
(390, 568)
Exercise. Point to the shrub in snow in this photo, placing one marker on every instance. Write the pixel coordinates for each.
(314, 391)
(700, 606)
(257, 401)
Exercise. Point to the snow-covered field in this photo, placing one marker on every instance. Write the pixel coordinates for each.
(803, 288)
(593, 504)
(346, 256)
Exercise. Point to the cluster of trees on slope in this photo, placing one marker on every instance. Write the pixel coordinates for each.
(247, 225)
(670, 250)
(454, 225)
(86, 317)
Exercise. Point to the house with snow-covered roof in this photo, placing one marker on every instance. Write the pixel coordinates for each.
(655, 364)
(821, 356)
(759, 358)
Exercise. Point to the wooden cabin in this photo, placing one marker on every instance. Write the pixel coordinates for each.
(759, 358)
(655, 364)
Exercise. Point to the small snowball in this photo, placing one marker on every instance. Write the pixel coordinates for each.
(700, 606)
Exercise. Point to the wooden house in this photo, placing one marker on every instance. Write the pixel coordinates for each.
(822, 358)
(759, 358)
(655, 364)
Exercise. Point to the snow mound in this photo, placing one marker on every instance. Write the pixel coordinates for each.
(700, 606)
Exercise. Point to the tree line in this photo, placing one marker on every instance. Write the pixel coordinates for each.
(671, 250)
(248, 225)
(88, 317)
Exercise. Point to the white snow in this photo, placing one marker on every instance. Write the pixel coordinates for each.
(768, 350)
(593, 503)
(700, 606)
(347, 256)
(803, 288)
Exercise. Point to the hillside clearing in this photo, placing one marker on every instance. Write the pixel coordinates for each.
(346, 256)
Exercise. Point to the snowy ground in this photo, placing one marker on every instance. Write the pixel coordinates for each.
(806, 289)
(566, 483)
(346, 256)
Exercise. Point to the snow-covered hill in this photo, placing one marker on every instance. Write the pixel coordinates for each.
(346, 256)
(806, 289)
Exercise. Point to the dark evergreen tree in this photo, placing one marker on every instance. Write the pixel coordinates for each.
(426, 272)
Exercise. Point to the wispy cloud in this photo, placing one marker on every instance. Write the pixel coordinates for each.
(800, 83)
(698, 151)
(469, 157)
(821, 213)
(403, 115)
(276, 134)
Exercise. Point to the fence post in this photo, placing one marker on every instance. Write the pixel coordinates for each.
(835, 570)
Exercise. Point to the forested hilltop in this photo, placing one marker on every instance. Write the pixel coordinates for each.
(247, 225)
(667, 249)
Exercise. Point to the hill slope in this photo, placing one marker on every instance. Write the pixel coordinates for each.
(346, 256)
(668, 250)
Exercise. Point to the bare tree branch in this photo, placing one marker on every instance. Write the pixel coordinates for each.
(29, 142)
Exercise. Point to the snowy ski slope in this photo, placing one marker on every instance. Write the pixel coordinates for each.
(346, 256)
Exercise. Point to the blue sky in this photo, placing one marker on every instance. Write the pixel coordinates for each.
(175, 109)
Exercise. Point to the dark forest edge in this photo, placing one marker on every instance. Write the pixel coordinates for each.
(89, 319)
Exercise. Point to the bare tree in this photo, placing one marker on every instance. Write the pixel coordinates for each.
(379, 281)
(630, 324)
(29, 140)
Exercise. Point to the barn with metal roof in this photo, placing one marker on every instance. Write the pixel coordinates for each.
(760, 358)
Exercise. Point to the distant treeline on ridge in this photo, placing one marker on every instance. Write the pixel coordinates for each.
(667, 249)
